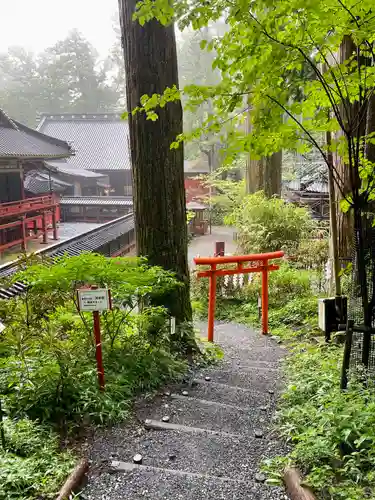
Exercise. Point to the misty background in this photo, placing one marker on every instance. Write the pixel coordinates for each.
(66, 57)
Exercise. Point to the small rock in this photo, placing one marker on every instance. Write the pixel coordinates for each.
(260, 478)
(258, 433)
(263, 408)
(194, 383)
(165, 418)
(270, 391)
(137, 459)
(185, 393)
(147, 421)
(166, 406)
(207, 379)
(167, 393)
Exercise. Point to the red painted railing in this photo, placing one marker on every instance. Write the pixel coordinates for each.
(31, 218)
(21, 207)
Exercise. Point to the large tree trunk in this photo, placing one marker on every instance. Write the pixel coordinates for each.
(272, 174)
(263, 174)
(370, 128)
(254, 175)
(345, 225)
(158, 175)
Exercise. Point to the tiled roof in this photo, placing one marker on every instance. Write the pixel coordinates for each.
(94, 239)
(68, 169)
(39, 182)
(197, 166)
(19, 141)
(89, 241)
(100, 141)
(97, 200)
(309, 187)
(194, 205)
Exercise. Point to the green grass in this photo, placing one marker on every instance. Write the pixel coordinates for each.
(32, 465)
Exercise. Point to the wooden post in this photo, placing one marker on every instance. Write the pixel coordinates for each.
(211, 304)
(54, 224)
(24, 236)
(265, 298)
(22, 178)
(346, 357)
(220, 249)
(44, 228)
(98, 351)
(333, 218)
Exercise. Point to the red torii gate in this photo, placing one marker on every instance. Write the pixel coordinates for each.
(256, 263)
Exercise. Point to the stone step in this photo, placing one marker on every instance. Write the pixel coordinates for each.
(135, 482)
(232, 395)
(200, 452)
(256, 353)
(237, 335)
(208, 414)
(256, 379)
(247, 364)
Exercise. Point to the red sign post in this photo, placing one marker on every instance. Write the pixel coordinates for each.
(245, 264)
(96, 299)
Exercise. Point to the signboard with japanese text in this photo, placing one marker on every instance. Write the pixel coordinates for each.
(94, 300)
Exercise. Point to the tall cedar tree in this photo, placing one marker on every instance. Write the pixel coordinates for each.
(158, 171)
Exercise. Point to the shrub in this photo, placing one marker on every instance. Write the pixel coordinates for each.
(47, 365)
(269, 224)
(32, 465)
(332, 430)
(284, 285)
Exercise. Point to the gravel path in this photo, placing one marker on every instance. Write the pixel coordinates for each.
(219, 429)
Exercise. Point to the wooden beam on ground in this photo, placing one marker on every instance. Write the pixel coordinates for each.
(295, 489)
(74, 480)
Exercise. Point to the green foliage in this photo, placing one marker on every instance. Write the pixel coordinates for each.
(269, 224)
(285, 284)
(227, 195)
(47, 358)
(331, 430)
(32, 466)
(271, 60)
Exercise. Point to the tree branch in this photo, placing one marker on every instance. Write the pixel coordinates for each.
(312, 140)
(321, 78)
(369, 45)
